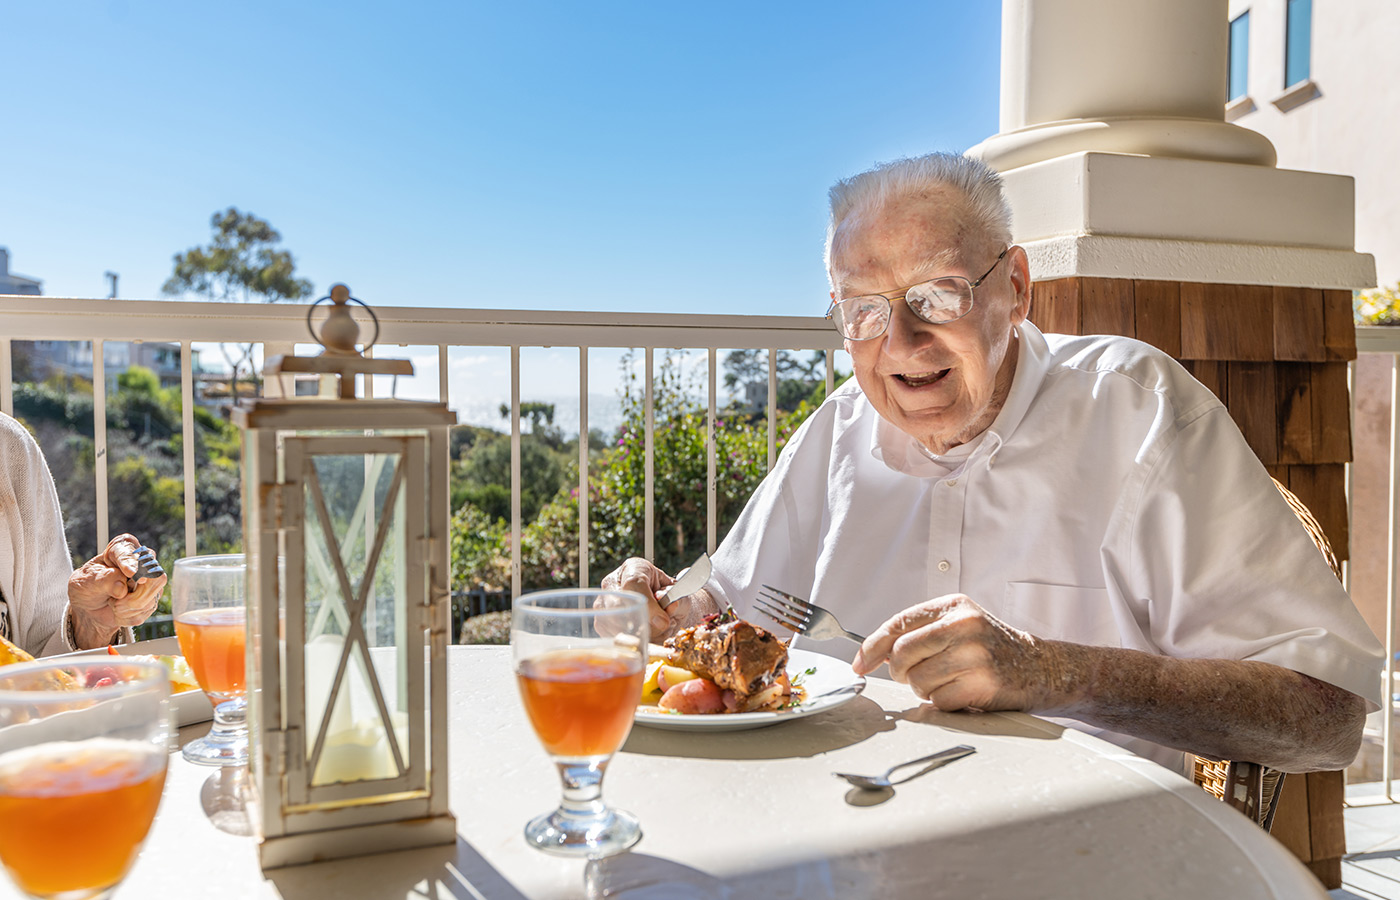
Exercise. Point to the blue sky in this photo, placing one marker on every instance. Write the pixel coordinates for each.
(630, 156)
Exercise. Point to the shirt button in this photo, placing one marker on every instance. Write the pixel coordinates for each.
(952, 482)
(944, 565)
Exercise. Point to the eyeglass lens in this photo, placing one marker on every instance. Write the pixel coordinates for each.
(937, 302)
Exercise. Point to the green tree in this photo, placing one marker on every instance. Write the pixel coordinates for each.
(241, 263)
(746, 378)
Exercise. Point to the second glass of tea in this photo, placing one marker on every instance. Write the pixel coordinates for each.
(83, 756)
(579, 660)
(210, 611)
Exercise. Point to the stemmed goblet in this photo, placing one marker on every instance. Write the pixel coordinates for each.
(210, 611)
(579, 662)
(83, 756)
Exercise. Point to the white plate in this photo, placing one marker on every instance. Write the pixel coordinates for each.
(831, 683)
(189, 706)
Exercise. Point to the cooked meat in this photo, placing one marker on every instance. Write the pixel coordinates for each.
(732, 653)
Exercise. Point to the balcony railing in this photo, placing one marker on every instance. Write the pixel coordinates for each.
(278, 329)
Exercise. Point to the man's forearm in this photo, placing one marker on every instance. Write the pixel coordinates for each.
(1227, 709)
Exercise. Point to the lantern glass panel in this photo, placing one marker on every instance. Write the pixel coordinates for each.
(356, 601)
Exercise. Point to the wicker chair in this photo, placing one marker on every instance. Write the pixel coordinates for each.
(1249, 787)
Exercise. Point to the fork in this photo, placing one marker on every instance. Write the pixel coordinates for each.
(802, 616)
(147, 566)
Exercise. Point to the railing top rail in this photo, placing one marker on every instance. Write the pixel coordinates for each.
(67, 318)
(1377, 339)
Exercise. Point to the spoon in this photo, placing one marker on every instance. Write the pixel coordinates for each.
(933, 761)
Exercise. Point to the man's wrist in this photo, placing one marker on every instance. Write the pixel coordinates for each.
(84, 634)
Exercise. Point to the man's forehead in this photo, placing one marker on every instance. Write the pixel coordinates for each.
(900, 244)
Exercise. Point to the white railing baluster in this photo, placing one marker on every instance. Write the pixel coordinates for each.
(1392, 595)
(515, 526)
(191, 474)
(830, 371)
(772, 407)
(649, 464)
(99, 437)
(711, 483)
(7, 399)
(583, 467)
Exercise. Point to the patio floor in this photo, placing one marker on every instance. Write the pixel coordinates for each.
(1371, 868)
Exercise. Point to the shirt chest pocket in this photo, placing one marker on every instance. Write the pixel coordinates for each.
(1062, 612)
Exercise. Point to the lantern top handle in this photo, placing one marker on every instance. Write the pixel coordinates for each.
(339, 356)
(340, 332)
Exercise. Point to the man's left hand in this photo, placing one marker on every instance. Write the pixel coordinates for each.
(98, 598)
(956, 655)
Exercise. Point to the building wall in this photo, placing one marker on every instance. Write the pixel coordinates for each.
(1352, 125)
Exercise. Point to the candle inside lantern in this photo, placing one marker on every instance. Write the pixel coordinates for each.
(356, 747)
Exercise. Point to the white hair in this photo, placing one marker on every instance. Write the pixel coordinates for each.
(978, 183)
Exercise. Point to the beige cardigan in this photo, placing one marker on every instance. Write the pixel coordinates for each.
(34, 560)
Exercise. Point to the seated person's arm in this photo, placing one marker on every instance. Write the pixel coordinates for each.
(99, 603)
(957, 656)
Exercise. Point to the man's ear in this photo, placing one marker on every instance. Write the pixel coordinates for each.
(1019, 268)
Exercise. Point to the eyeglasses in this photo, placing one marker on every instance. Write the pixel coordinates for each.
(937, 302)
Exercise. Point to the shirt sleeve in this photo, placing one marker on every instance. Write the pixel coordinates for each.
(1225, 570)
(34, 561)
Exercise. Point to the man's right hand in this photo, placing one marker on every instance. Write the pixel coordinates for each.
(639, 575)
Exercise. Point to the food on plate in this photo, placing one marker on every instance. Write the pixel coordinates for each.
(177, 668)
(722, 665)
(13, 653)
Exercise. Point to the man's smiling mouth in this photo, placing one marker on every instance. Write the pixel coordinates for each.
(921, 379)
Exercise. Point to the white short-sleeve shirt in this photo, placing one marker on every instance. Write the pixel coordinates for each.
(1112, 502)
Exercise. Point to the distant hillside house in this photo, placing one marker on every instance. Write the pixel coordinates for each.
(16, 284)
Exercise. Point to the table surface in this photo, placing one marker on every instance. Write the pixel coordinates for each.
(1039, 811)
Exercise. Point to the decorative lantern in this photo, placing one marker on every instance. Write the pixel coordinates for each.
(345, 531)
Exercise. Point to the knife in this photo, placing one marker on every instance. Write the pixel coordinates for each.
(689, 581)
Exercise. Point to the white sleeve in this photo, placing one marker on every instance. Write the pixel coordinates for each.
(34, 560)
(1226, 570)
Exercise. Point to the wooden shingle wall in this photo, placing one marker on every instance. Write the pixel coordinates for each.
(1277, 358)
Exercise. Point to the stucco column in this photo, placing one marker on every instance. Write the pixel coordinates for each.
(1126, 76)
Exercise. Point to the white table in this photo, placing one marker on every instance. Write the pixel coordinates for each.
(1037, 812)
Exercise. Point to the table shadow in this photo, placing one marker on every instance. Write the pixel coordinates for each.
(854, 721)
(450, 872)
(636, 876)
(973, 722)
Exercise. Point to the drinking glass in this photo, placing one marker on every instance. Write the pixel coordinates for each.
(210, 611)
(579, 658)
(83, 753)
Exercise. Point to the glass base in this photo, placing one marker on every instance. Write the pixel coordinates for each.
(226, 744)
(584, 837)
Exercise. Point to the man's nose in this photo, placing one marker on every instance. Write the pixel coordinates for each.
(906, 334)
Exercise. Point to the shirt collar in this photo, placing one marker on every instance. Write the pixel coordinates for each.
(900, 452)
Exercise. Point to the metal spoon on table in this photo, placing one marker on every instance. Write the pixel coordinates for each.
(932, 761)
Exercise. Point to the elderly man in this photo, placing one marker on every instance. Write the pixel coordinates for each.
(1069, 526)
(46, 606)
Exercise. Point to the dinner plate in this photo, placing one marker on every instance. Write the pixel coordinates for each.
(829, 682)
(189, 707)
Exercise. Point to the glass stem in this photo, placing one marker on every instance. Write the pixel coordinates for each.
(583, 789)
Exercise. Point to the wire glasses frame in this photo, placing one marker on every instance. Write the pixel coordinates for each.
(938, 302)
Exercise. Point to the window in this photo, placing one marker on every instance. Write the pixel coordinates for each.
(1298, 43)
(1239, 56)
